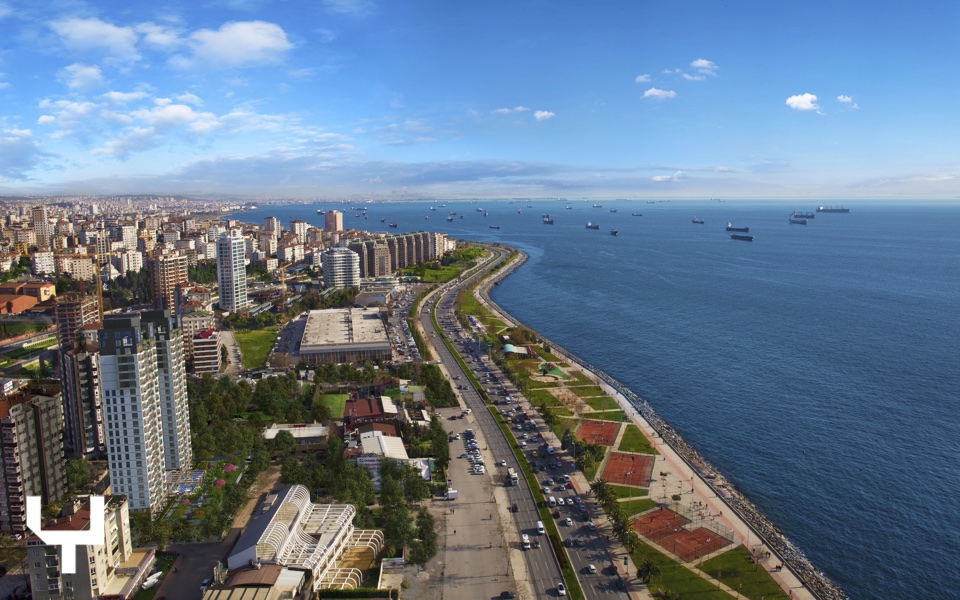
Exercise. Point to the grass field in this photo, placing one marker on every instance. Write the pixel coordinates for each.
(601, 403)
(633, 440)
(336, 403)
(625, 491)
(735, 568)
(585, 391)
(613, 415)
(677, 578)
(255, 346)
(633, 507)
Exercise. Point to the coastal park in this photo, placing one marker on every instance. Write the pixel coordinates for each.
(678, 547)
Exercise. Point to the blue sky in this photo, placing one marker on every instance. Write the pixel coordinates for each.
(401, 99)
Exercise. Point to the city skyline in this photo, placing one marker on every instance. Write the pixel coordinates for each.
(396, 100)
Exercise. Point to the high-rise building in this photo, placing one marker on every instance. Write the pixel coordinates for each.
(131, 398)
(232, 272)
(272, 225)
(80, 376)
(97, 567)
(31, 428)
(341, 268)
(41, 226)
(333, 221)
(171, 375)
(169, 271)
(299, 229)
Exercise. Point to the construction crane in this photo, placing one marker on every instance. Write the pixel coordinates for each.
(283, 286)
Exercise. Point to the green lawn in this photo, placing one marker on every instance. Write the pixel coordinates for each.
(633, 440)
(613, 415)
(601, 403)
(255, 346)
(580, 377)
(336, 403)
(625, 491)
(675, 577)
(634, 507)
(585, 391)
(735, 568)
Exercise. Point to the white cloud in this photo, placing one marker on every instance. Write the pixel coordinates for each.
(97, 36)
(507, 111)
(159, 36)
(705, 67)
(722, 170)
(659, 94)
(136, 139)
(352, 8)
(690, 77)
(80, 77)
(5, 10)
(644, 78)
(803, 102)
(44, 119)
(663, 178)
(189, 98)
(19, 154)
(240, 44)
(123, 97)
(543, 115)
(848, 101)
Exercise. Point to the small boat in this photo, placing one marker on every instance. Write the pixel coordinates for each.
(427, 218)
(383, 220)
(461, 216)
(479, 210)
(740, 236)
(520, 212)
(356, 215)
(494, 227)
(636, 214)
(730, 227)
(598, 206)
(614, 232)
(432, 208)
(592, 225)
(393, 225)
(320, 212)
(613, 210)
(547, 220)
(486, 214)
(449, 218)
(794, 221)
(697, 221)
(569, 208)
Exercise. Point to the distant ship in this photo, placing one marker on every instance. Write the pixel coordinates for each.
(494, 227)
(803, 215)
(636, 214)
(461, 216)
(394, 225)
(320, 212)
(382, 220)
(832, 209)
(569, 208)
(697, 221)
(450, 218)
(592, 225)
(598, 206)
(547, 220)
(740, 236)
(486, 214)
(432, 208)
(613, 210)
(479, 210)
(614, 232)
(520, 212)
(794, 221)
(730, 227)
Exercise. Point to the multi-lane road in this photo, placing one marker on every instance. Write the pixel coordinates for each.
(584, 546)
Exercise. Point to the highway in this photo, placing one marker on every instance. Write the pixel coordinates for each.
(584, 544)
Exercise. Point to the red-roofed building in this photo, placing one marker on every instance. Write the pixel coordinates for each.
(12, 304)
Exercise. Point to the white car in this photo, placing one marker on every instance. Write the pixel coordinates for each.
(503, 463)
(561, 589)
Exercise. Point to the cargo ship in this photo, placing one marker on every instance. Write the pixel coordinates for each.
(730, 227)
(494, 227)
(592, 225)
(795, 221)
(547, 220)
(614, 232)
(803, 215)
(697, 221)
(636, 214)
(740, 236)
(832, 209)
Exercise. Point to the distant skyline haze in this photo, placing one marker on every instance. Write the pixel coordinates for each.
(399, 100)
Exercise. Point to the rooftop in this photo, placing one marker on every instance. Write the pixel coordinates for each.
(343, 327)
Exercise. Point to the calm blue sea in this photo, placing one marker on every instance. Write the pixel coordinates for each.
(818, 367)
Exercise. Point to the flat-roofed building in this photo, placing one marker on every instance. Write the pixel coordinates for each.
(344, 335)
(207, 347)
(290, 530)
(308, 436)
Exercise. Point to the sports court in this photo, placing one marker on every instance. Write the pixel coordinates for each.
(598, 432)
(667, 529)
(628, 469)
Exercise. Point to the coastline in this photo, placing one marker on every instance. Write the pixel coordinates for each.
(799, 576)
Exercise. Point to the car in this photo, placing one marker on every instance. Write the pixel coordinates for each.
(560, 502)
(568, 521)
(204, 585)
(561, 589)
(503, 463)
(507, 595)
(464, 455)
(592, 569)
(523, 444)
(545, 490)
(569, 485)
(591, 526)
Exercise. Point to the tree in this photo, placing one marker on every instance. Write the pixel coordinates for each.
(78, 474)
(424, 547)
(284, 443)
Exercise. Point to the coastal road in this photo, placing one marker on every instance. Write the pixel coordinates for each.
(542, 571)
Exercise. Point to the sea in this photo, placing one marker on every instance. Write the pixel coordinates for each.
(817, 366)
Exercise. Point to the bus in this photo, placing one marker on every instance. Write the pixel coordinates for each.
(513, 475)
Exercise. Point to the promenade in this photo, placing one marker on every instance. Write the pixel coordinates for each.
(702, 490)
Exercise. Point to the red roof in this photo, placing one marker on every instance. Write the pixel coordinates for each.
(364, 408)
